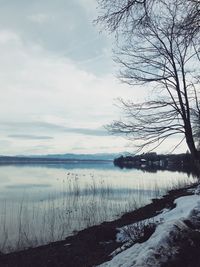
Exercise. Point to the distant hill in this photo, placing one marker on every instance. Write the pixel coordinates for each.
(71, 156)
(53, 158)
(98, 156)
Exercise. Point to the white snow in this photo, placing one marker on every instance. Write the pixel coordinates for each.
(160, 246)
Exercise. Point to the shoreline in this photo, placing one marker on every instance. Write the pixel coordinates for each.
(91, 246)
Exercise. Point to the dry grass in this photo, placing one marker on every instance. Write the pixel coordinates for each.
(29, 224)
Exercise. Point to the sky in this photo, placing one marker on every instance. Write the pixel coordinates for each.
(58, 81)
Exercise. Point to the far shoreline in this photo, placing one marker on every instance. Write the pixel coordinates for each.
(6, 160)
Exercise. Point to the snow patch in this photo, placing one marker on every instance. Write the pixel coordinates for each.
(162, 245)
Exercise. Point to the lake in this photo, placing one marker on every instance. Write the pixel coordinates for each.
(44, 203)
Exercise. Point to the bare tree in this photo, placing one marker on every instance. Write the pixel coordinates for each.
(158, 46)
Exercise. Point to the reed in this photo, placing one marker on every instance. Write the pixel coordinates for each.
(28, 224)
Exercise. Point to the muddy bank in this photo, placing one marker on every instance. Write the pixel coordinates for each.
(89, 247)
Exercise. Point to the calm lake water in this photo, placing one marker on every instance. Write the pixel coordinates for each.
(44, 203)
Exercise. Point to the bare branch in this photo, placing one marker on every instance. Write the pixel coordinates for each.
(159, 45)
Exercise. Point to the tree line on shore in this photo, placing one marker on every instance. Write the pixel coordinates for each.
(153, 162)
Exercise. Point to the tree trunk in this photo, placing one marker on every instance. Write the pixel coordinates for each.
(195, 156)
(191, 144)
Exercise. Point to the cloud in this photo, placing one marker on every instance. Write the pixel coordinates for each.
(29, 137)
(46, 127)
(90, 7)
(56, 79)
(8, 36)
(59, 27)
(53, 102)
(40, 18)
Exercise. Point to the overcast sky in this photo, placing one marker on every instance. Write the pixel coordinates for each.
(57, 79)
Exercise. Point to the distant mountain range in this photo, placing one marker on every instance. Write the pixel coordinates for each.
(60, 157)
(98, 156)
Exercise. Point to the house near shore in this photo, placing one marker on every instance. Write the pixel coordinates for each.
(155, 161)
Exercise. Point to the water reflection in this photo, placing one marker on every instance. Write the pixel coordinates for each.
(39, 204)
(68, 166)
(27, 186)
